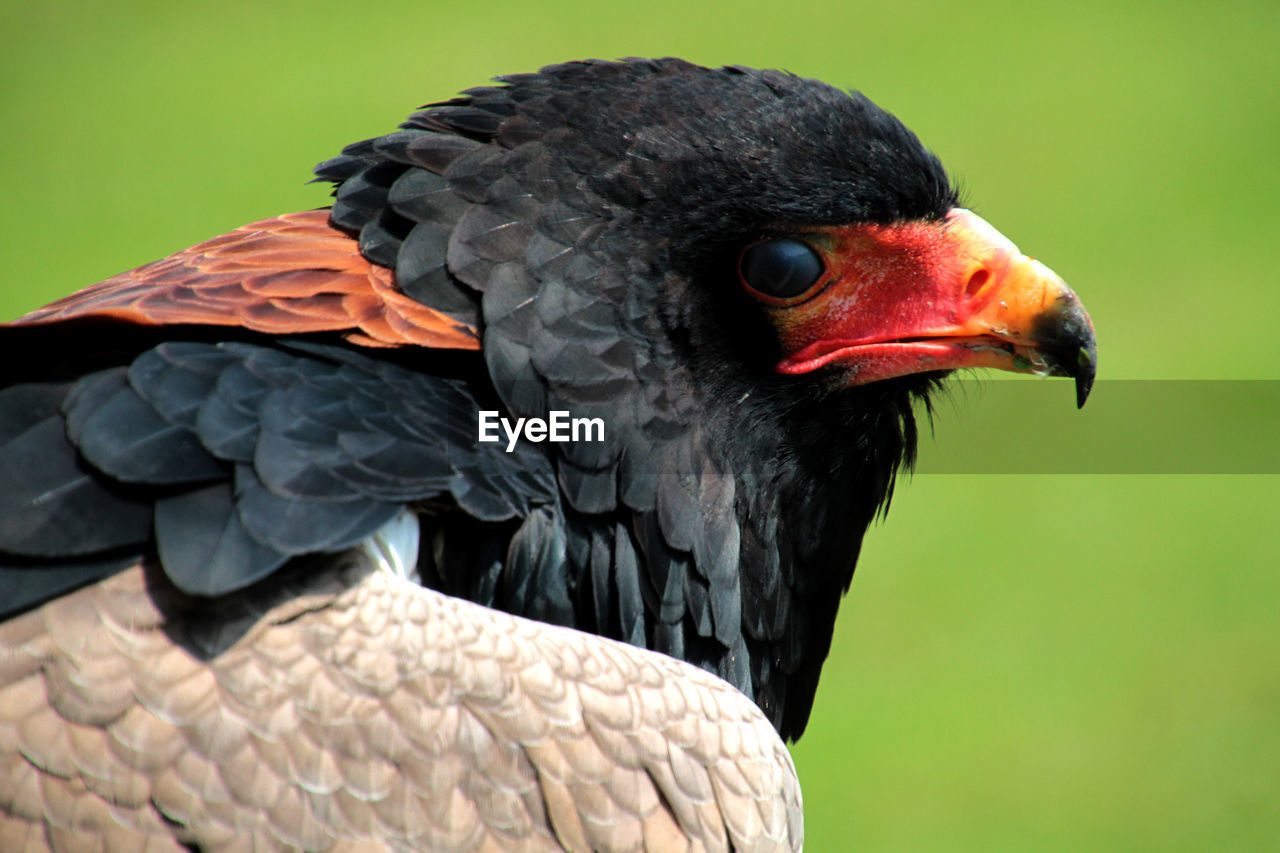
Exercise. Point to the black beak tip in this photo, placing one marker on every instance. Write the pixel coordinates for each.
(1087, 370)
(1064, 333)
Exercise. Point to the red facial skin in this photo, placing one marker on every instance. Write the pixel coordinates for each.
(921, 296)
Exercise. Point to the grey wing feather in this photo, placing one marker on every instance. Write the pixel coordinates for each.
(347, 706)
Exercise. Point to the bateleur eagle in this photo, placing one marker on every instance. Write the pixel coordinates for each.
(264, 587)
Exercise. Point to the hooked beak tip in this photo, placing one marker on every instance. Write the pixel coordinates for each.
(1064, 333)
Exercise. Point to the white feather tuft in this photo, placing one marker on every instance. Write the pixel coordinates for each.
(394, 546)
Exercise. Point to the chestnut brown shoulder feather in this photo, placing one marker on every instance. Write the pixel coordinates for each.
(290, 274)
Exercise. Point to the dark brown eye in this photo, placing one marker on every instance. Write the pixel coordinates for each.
(780, 269)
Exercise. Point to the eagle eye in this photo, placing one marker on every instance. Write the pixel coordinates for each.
(780, 269)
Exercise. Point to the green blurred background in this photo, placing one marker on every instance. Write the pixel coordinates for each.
(1043, 663)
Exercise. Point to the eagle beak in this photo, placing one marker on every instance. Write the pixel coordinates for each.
(922, 297)
(1023, 304)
